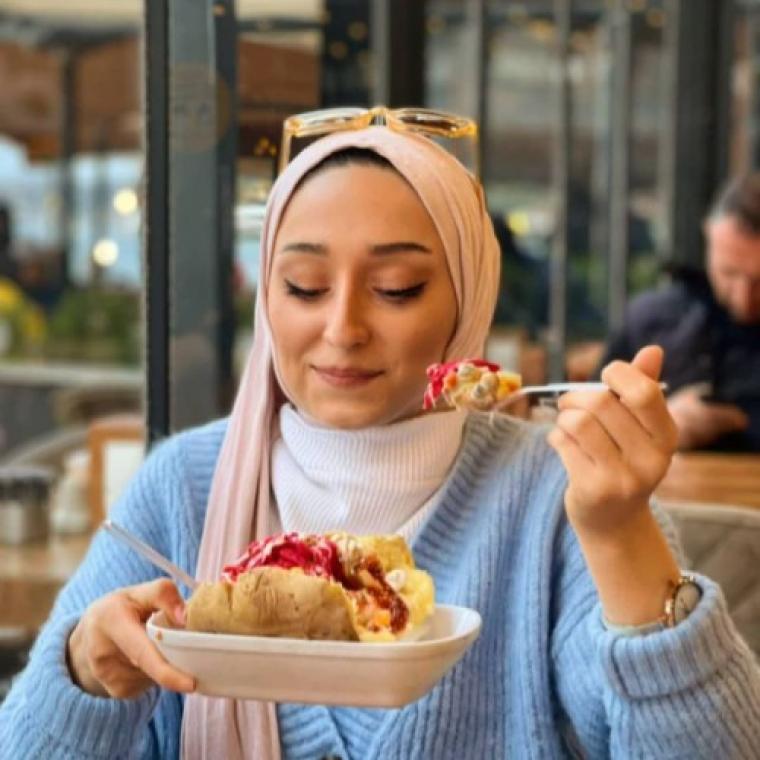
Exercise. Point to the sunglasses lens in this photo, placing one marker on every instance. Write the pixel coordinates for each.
(437, 122)
(319, 122)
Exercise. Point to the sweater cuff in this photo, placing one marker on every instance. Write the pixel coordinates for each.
(97, 726)
(673, 659)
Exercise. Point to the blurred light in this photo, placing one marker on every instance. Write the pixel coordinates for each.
(518, 222)
(541, 30)
(338, 50)
(357, 31)
(637, 6)
(264, 147)
(655, 17)
(105, 252)
(125, 201)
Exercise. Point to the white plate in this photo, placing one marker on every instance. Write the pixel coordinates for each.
(321, 672)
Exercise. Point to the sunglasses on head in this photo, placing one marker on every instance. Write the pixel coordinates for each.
(437, 125)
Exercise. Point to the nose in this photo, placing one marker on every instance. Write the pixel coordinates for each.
(347, 325)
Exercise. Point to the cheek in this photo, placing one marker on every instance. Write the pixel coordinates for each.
(288, 331)
(426, 343)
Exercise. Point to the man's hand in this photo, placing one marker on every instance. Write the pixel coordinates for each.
(699, 422)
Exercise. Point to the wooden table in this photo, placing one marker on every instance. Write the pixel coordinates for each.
(31, 576)
(713, 478)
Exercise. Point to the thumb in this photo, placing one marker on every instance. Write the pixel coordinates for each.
(160, 594)
(649, 360)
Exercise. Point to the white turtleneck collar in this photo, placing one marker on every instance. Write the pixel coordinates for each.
(381, 479)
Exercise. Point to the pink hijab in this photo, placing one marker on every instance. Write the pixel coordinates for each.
(239, 502)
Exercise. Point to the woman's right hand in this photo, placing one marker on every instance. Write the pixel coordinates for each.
(109, 653)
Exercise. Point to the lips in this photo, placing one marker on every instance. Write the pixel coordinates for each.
(347, 376)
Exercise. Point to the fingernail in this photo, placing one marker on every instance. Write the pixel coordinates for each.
(180, 615)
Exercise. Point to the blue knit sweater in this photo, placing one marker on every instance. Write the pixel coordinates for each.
(544, 680)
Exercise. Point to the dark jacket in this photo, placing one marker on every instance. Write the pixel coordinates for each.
(702, 344)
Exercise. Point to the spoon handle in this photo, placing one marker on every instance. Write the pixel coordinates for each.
(150, 554)
(555, 388)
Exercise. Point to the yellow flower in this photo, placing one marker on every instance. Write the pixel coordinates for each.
(10, 296)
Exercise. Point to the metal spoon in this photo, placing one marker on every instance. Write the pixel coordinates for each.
(131, 540)
(554, 390)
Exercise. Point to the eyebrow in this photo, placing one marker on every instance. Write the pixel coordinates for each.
(381, 249)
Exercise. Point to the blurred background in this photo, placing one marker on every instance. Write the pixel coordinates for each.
(139, 140)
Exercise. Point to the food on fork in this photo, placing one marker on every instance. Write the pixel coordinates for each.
(309, 586)
(470, 384)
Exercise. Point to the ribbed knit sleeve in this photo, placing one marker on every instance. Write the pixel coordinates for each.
(692, 691)
(46, 714)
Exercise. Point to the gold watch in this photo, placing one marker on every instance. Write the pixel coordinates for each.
(682, 599)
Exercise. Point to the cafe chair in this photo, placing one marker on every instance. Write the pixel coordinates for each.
(723, 543)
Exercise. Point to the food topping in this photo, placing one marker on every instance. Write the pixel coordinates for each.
(470, 383)
(377, 602)
(315, 555)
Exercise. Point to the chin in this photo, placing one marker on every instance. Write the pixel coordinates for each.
(348, 416)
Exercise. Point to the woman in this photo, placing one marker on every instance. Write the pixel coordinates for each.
(378, 259)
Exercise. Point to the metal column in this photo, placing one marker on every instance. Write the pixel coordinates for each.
(191, 121)
(694, 142)
(226, 164)
(478, 74)
(156, 240)
(201, 112)
(753, 33)
(397, 29)
(619, 159)
(557, 333)
(68, 150)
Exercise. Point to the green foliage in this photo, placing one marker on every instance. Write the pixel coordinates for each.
(96, 325)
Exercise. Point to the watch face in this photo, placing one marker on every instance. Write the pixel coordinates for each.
(686, 599)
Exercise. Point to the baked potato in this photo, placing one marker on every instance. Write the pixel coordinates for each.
(308, 586)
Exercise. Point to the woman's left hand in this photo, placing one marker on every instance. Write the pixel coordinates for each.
(616, 445)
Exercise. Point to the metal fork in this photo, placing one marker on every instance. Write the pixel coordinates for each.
(131, 540)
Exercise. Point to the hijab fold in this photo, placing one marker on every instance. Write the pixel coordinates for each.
(239, 500)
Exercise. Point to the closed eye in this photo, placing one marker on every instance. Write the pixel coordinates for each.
(305, 294)
(403, 294)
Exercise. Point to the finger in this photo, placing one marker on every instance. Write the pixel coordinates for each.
(644, 398)
(649, 361)
(639, 452)
(131, 639)
(160, 594)
(574, 459)
(621, 425)
(588, 433)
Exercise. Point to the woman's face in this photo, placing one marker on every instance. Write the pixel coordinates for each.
(360, 297)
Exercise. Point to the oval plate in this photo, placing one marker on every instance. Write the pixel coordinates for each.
(320, 672)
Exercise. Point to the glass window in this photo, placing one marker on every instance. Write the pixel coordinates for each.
(71, 377)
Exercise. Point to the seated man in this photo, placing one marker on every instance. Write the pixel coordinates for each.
(709, 326)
